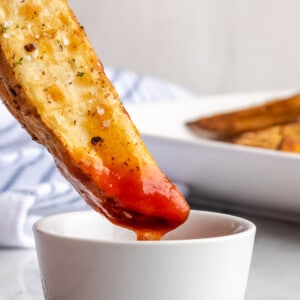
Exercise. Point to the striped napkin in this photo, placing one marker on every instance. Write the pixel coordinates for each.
(30, 185)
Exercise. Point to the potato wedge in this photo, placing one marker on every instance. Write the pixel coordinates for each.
(283, 137)
(269, 138)
(290, 145)
(255, 118)
(54, 84)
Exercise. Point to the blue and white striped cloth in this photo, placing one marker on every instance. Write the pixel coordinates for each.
(31, 186)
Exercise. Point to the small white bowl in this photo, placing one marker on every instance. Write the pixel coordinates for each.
(83, 256)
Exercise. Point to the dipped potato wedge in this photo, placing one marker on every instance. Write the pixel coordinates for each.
(54, 84)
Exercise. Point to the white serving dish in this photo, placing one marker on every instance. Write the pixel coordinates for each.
(263, 181)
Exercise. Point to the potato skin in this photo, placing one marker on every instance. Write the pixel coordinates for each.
(52, 81)
(230, 124)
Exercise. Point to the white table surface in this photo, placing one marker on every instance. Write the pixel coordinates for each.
(275, 270)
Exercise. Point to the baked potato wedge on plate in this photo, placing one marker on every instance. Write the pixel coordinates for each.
(273, 112)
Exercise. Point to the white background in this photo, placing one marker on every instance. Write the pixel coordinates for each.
(208, 46)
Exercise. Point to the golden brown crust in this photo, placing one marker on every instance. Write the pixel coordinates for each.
(272, 113)
(280, 137)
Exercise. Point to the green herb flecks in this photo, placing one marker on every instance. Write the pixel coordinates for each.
(79, 74)
(18, 62)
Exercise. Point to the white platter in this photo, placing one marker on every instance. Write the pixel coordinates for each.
(264, 181)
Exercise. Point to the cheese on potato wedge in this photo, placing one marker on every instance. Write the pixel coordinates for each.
(54, 84)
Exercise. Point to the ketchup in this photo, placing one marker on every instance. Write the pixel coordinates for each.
(145, 201)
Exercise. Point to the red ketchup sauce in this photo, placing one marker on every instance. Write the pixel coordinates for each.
(145, 201)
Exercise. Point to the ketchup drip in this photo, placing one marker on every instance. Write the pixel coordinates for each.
(144, 201)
